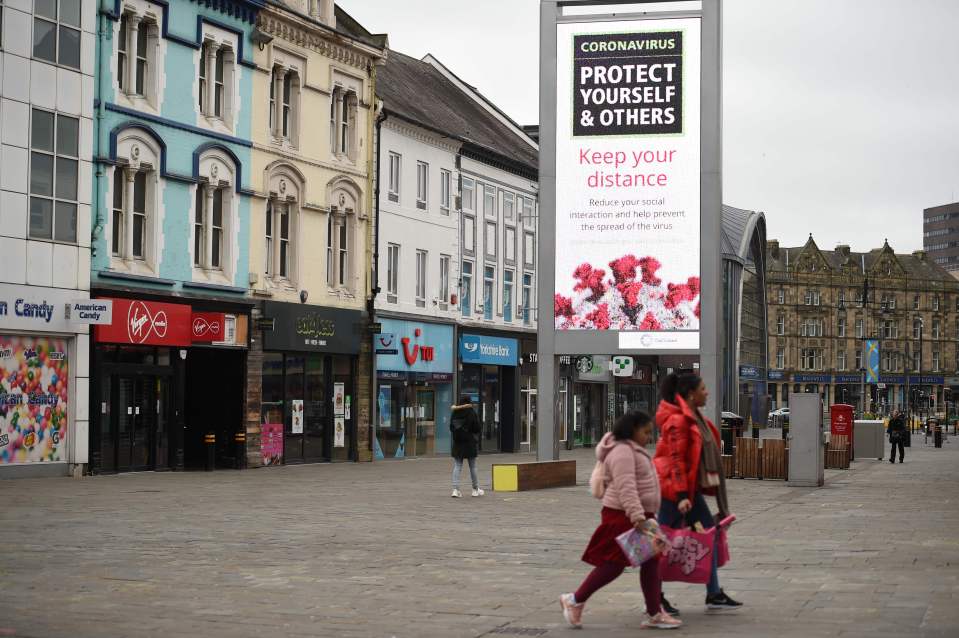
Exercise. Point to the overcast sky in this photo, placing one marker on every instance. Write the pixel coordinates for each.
(841, 117)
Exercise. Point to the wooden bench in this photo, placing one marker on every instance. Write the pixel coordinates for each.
(775, 457)
(729, 465)
(747, 458)
(838, 453)
(537, 475)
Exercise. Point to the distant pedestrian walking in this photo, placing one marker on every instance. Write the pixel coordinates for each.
(897, 437)
(689, 463)
(630, 493)
(464, 428)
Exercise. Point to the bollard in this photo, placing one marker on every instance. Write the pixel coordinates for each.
(240, 440)
(210, 441)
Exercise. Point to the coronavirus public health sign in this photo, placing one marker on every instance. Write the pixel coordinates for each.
(628, 181)
(628, 83)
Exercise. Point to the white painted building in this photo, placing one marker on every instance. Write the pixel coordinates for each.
(456, 261)
(46, 141)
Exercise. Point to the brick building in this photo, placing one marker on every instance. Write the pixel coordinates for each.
(823, 305)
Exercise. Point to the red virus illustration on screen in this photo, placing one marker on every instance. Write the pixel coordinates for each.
(631, 297)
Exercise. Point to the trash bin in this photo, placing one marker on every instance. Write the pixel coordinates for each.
(732, 427)
(937, 435)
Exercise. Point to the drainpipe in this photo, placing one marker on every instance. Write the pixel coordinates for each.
(376, 205)
(99, 93)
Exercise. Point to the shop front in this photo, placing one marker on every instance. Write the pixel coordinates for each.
(43, 377)
(310, 363)
(489, 375)
(778, 388)
(414, 394)
(170, 382)
(594, 399)
(636, 391)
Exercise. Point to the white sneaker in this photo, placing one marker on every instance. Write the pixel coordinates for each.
(457, 494)
(478, 492)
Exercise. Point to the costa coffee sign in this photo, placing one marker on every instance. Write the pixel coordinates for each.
(148, 323)
(208, 327)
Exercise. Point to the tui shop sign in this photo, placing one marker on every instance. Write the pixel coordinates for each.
(411, 346)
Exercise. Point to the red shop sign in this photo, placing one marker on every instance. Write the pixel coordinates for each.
(208, 327)
(148, 323)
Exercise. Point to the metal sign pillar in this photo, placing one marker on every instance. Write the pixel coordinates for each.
(553, 342)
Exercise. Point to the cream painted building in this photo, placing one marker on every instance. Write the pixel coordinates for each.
(312, 230)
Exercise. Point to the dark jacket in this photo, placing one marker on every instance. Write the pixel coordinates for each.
(897, 428)
(464, 427)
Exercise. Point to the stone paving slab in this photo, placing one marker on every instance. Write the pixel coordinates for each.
(381, 551)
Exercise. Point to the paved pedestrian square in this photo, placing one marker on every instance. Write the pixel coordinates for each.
(382, 550)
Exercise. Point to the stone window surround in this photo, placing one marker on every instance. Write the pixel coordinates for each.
(218, 170)
(137, 153)
(277, 201)
(136, 11)
(212, 40)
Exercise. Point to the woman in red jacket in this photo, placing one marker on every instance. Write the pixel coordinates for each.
(689, 463)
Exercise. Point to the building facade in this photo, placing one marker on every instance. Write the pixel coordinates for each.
(46, 148)
(940, 236)
(826, 307)
(455, 265)
(745, 356)
(172, 202)
(311, 249)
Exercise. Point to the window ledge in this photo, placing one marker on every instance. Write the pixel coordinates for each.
(212, 277)
(285, 143)
(138, 102)
(112, 274)
(217, 287)
(216, 124)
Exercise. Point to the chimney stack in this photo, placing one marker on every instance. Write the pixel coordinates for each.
(772, 247)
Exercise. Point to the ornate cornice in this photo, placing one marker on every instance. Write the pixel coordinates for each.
(423, 136)
(301, 34)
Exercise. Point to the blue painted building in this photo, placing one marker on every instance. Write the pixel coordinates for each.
(170, 219)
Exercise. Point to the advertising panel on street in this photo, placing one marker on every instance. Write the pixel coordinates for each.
(34, 391)
(628, 181)
(872, 361)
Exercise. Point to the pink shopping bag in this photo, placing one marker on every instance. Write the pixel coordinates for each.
(722, 547)
(689, 557)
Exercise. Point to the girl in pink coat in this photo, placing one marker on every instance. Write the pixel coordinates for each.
(631, 497)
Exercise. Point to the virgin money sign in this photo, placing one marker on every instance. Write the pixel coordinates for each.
(208, 327)
(628, 180)
(148, 323)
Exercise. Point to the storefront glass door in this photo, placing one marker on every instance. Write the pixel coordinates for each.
(424, 422)
(136, 415)
(315, 417)
(490, 406)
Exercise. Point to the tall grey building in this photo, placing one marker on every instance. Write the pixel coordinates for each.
(940, 235)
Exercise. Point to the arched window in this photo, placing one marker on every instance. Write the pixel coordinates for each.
(281, 219)
(137, 38)
(136, 194)
(213, 241)
(343, 231)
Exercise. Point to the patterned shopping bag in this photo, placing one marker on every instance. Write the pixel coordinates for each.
(641, 546)
(689, 557)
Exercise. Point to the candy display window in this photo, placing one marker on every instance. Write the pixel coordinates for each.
(34, 399)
